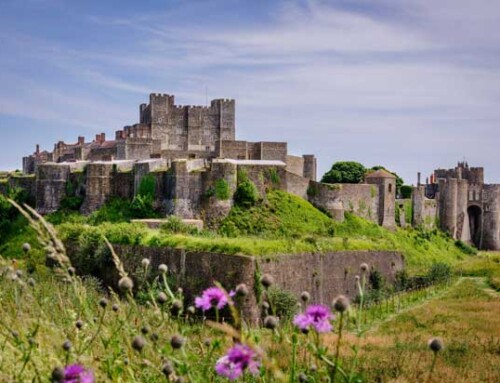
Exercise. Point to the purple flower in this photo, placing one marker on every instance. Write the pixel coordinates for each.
(236, 361)
(76, 373)
(317, 316)
(211, 297)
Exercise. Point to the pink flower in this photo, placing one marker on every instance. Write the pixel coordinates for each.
(212, 297)
(237, 360)
(76, 373)
(316, 316)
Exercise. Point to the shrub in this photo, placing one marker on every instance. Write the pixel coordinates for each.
(467, 249)
(406, 191)
(174, 225)
(246, 194)
(438, 272)
(221, 189)
(282, 302)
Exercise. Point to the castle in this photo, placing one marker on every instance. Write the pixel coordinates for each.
(189, 151)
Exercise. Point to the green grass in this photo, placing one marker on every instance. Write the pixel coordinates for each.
(485, 264)
(282, 224)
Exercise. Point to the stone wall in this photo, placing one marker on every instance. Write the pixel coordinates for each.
(296, 184)
(327, 275)
(295, 164)
(51, 181)
(359, 199)
(324, 276)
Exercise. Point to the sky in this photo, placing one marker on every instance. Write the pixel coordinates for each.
(413, 85)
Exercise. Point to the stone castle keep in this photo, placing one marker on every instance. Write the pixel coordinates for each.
(189, 150)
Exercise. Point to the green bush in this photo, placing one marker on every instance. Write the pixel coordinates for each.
(438, 272)
(221, 189)
(465, 248)
(406, 191)
(174, 225)
(246, 194)
(283, 303)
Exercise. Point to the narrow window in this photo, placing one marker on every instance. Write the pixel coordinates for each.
(390, 188)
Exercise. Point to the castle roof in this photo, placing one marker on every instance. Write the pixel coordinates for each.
(381, 173)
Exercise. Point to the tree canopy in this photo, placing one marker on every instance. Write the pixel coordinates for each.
(348, 172)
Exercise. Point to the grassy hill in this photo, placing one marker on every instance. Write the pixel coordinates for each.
(280, 224)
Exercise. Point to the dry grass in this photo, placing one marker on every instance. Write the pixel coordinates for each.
(466, 318)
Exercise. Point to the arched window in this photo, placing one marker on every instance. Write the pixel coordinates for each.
(390, 188)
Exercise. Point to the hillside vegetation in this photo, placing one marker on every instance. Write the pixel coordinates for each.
(282, 223)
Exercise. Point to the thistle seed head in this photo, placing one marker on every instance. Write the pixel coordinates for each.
(125, 284)
(340, 304)
(241, 290)
(31, 282)
(167, 368)
(177, 342)
(103, 302)
(267, 281)
(57, 374)
(115, 307)
(145, 330)
(26, 247)
(71, 270)
(163, 268)
(364, 267)
(435, 344)
(191, 310)
(162, 298)
(79, 324)
(305, 296)
(302, 378)
(138, 343)
(271, 322)
(145, 262)
(67, 345)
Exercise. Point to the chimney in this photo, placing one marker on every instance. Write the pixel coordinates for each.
(98, 138)
(37, 149)
(419, 176)
(81, 140)
(103, 137)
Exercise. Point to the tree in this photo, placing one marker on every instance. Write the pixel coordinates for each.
(348, 172)
(406, 191)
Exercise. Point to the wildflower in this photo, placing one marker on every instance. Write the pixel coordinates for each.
(211, 297)
(31, 282)
(241, 290)
(26, 247)
(71, 270)
(115, 307)
(145, 330)
(266, 280)
(364, 267)
(138, 343)
(177, 342)
(356, 278)
(125, 284)
(163, 268)
(191, 310)
(145, 263)
(305, 296)
(79, 324)
(19, 273)
(265, 306)
(58, 374)
(340, 304)
(155, 337)
(76, 373)
(270, 322)
(316, 316)
(436, 344)
(236, 361)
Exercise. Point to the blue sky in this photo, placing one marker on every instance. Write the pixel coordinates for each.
(412, 85)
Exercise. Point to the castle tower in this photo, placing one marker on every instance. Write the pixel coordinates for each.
(161, 106)
(387, 196)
